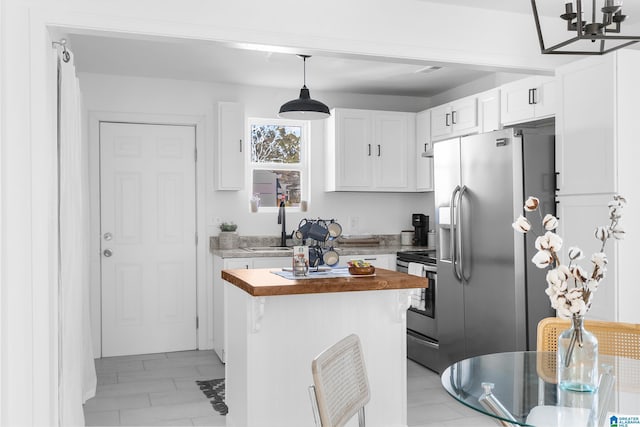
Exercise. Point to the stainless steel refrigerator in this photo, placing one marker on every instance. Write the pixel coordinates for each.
(490, 297)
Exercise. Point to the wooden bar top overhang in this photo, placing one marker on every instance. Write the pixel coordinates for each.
(262, 282)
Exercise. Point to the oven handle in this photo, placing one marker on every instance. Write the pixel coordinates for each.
(429, 268)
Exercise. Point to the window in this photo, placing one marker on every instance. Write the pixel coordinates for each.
(278, 163)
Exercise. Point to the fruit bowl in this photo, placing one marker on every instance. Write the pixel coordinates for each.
(362, 271)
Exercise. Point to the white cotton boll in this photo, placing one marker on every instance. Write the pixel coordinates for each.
(555, 241)
(553, 278)
(531, 204)
(615, 212)
(563, 272)
(599, 259)
(542, 259)
(575, 253)
(617, 233)
(579, 273)
(521, 224)
(564, 312)
(592, 285)
(620, 200)
(574, 294)
(550, 222)
(542, 243)
(578, 306)
(602, 233)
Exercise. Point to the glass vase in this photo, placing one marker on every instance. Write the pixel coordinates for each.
(577, 358)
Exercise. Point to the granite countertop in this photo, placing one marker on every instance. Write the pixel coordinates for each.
(342, 251)
(262, 282)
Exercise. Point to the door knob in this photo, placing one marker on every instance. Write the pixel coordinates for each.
(107, 252)
(107, 236)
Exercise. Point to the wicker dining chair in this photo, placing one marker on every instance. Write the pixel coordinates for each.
(614, 339)
(341, 388)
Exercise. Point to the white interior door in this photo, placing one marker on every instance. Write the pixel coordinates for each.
(148, 235)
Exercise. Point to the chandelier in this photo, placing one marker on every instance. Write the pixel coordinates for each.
(602, 34)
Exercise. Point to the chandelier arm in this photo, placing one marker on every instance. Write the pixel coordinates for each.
(579, 26)
(593, 11)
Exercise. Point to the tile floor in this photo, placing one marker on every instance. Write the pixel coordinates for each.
(160, 390)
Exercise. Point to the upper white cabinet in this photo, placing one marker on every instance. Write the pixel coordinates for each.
(454, 119)
(370, 150)
(585, 126)
(489, 111)
(528, 99)
(230, 153)
(424, 148)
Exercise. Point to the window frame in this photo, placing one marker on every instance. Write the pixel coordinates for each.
(302, 166)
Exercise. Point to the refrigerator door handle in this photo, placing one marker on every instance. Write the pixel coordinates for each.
(460, 234)
(453, 231)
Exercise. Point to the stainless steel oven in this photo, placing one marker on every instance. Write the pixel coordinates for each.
(422, 327)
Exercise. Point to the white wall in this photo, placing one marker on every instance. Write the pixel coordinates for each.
(377, 212)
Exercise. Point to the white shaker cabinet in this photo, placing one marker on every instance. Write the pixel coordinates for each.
(230, 153)
(454, 119)
(370, 150)
(393, 134)
(585, 126)
(489, 111)
(529, 99)
(424, 152)
(597, 148)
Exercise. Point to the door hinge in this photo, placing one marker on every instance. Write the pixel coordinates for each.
(197, 322)
(195, 154)
(196, 238)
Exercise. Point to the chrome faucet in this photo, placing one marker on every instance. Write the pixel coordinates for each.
(282, 220)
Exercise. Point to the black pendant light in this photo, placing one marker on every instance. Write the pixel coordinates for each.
(304, 108)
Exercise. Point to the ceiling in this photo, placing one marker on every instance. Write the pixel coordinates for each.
(230, 64)
(215, 62)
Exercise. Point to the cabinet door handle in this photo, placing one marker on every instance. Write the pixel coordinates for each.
(241, 145)
(534, 96)
(530, 96)
(369, 147)
(446, 120)
(425, 147)
(378, 150)
(453, 117)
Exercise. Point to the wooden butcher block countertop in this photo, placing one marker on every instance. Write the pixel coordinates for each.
(262, 282)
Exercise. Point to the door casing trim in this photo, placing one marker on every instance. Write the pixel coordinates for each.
(204, 294)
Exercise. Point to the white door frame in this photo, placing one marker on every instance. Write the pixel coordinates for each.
(203, 292)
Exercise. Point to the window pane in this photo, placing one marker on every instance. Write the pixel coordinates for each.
(270, 185)
(275, 144)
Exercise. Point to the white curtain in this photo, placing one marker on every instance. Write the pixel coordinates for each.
(77, 375)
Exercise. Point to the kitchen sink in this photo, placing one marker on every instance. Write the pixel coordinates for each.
(268, 249)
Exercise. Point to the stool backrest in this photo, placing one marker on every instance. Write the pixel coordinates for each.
(340, 380)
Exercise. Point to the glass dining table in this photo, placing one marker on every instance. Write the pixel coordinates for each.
(519, 389)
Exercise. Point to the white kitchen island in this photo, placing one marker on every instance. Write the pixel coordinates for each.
(275, 327)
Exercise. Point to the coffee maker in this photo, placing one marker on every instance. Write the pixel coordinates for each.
(421, 224)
